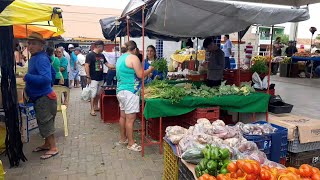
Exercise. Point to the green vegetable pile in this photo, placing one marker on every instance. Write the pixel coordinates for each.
(260, 67)
(286, 60)
(216, 161)
(160, 65)
(161, 89)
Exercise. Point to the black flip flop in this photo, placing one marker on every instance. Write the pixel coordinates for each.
(49, 155)
(39, 149)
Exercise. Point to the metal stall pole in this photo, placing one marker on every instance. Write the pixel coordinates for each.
(142, 90)
(269, 72)
(128, 29)
(238, 68)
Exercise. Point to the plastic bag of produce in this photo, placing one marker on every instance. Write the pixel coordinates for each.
(193, 155)
(186, 142)
(247, 146)
(218, 123)
(273, 164)
(254, 155)
(175, 130)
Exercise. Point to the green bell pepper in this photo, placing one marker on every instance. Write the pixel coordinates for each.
(206, 153)
(226, 162)
(213, 173)
(212, 165)
(214, 153)
(224, 153)
(223, 171)
(203, 164)
(198, 171)
(205, 172)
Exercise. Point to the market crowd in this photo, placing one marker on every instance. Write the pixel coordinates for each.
(121, 68)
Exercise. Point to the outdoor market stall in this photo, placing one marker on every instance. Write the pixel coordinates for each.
(18, 12)
(166, 19)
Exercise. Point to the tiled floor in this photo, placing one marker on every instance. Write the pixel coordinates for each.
(90, 151)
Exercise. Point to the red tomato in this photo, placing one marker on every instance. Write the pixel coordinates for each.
(305, 170)
(221, 177)
(315, 176)
(256, 168)
(240, 173)
(240, 163)
(251, 177)
(233, 175)
(248, 168)
(315, 170)
(294, 170)
(265, 174)
(232, 167)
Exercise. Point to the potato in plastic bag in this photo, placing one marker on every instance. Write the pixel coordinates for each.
(175, 130)
(218, 123)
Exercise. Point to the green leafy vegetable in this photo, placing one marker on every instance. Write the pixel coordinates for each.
(160, 65)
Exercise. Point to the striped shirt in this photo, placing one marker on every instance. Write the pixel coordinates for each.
(248, 51)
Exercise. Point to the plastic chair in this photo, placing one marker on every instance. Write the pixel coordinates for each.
(59, 90)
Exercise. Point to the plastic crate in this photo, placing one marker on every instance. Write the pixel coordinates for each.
(274, 145)
(153, 126)
(231, 76)
(309, 157)
(210, 113)
(196, 77)
(110, 111)
(262, 141)
(296, 147)
(170, 163)
(184, 172)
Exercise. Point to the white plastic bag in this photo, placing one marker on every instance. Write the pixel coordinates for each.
(86, 93)
(257, 81)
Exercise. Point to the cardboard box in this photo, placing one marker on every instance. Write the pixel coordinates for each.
(308, 128)
(28, 121)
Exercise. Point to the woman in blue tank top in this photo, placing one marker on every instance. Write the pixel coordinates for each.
(128, 67)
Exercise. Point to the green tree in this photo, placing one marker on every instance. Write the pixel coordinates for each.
(318, 36)
(284, 38)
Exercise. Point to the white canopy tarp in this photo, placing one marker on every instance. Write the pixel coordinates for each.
(203, 18)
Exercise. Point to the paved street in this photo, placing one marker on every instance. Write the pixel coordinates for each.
(90, 151)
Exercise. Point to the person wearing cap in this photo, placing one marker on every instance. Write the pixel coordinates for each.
(39, 82)
(74, 71)
(291, 49)
(80, 63)
(215, 62)
(94, 71)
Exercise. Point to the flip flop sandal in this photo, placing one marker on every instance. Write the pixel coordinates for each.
(93, 114)
(123, 142)
(134, 147)
(48, 155)
(39, 149)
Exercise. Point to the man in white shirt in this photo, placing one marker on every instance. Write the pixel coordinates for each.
(80, 63)
(109, 67)
(227, 49)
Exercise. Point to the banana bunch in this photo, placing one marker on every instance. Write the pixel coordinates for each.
(259, 59)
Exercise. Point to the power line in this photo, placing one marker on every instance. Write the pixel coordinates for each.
(72, 12)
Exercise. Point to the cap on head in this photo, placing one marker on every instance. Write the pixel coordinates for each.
(70, 46)
(99, 42)
(36, 37)
(78, 49)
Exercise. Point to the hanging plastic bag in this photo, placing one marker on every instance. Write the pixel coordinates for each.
(257, 81)
(86, 93)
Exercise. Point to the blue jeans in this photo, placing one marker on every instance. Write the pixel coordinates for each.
(317, 70)
(111, 77)
(227, 63)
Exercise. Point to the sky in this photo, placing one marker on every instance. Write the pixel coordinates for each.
(303, 31)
